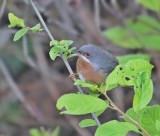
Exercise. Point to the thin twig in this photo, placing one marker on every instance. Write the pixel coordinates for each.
(63, 58)
(125, 115)
(2, 9)
(97, 13)
(26, 53)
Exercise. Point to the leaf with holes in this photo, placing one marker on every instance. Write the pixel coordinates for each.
(72, 49)
(54, 52)
(126, 74)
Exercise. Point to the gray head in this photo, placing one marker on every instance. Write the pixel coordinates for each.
(100, 58)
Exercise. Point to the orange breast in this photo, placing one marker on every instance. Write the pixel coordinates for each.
(86, 70)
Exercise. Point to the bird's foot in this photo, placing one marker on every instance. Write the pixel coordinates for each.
(73, 76)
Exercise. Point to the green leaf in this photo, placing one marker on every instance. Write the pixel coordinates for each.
(142, 33)
(54, 52)
(36, 28)
(66, 42)
(71, 55)
(98, 113)
(87, 123)
(20, 34)
(124, 59)
(143, 88)
(35, 132)
(150, 4)
(115, 128)
(79, 104)
(122, 37)
(56, 132)
(15, 21)
(72, 49)
(91, 86)
(125, 75)
(150, 119)
(54, 43)
(131, 112)
(158, 126)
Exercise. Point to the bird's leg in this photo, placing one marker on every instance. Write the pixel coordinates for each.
(74, 76)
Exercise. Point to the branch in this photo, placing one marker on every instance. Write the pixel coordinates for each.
(2, 9)
(125, 115)
(26, 53)
(97, 13)
(63, 58)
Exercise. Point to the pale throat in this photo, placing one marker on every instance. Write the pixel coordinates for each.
(85, 59)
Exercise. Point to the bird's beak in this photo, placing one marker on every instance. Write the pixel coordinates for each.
(78, 53)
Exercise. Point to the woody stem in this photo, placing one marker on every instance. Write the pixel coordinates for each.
(125, 115)
(63, 58)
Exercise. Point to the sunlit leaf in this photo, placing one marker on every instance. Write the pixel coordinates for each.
(15, 21)
(54, 52)
(79, 104)
(71, 55)
(66, 42)
(115, 128)
(148, 118)
(125, 75)
(87, 123)
(143, 88)
(91, 86)
(54, 43)
(20, 33)
(158, 126)
(36, 28)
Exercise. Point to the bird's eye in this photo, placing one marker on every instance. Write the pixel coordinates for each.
(87, 54)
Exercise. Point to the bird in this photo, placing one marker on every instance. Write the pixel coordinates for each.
(94, 63)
